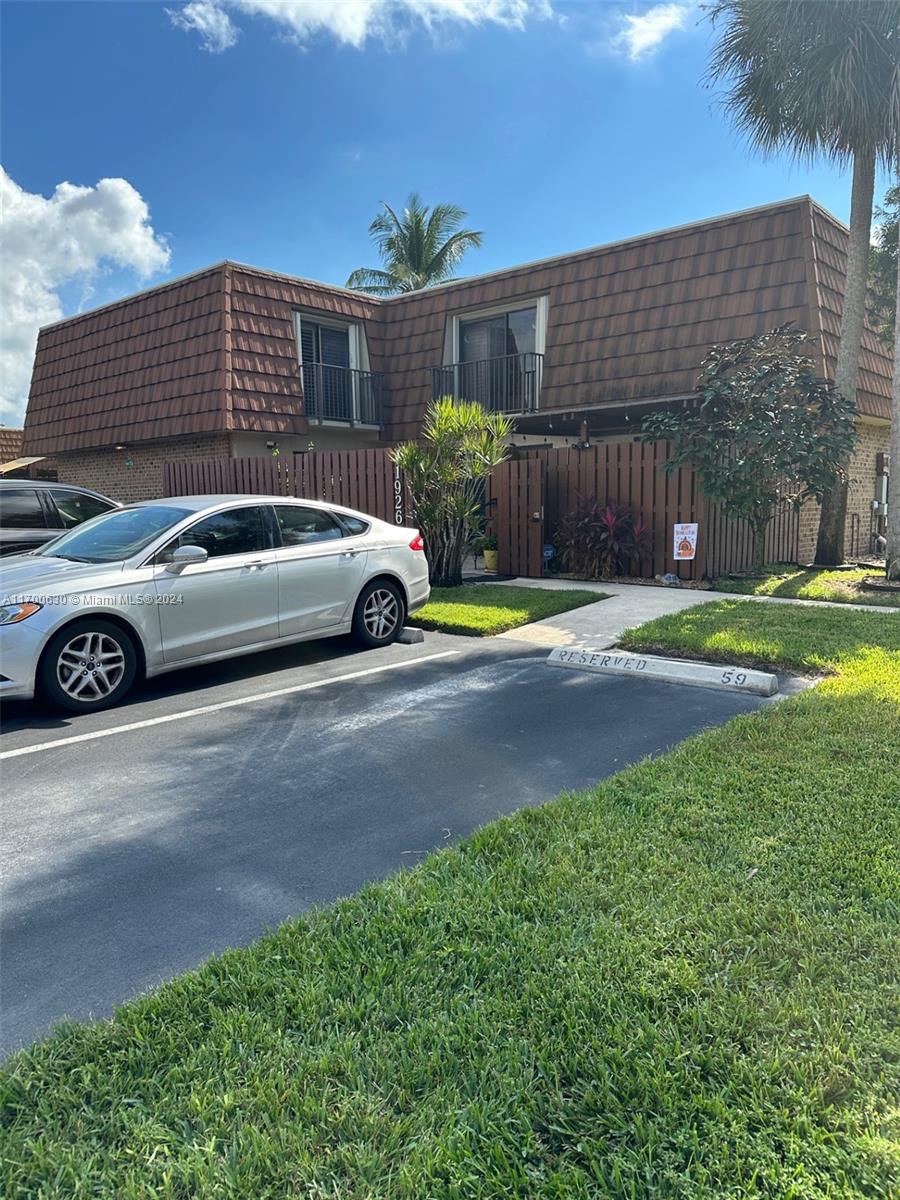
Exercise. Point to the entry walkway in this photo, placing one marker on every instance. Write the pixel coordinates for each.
(629, 604)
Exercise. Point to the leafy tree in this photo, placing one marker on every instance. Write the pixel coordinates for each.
(820, 77)
(883, 267)
(445, 472)
(763, 429)
(419, 249)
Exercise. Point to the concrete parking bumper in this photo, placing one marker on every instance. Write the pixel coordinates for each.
(668, 670)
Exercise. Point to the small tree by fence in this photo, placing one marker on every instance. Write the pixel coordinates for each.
(765, 429)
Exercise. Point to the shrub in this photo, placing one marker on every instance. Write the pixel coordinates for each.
(599, 541)
(445, 472)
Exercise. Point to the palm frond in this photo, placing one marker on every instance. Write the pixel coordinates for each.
(452, 252)
(373, 281)
(418, 248)
(813, 77)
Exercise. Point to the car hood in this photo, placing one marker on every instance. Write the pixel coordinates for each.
(28, 573)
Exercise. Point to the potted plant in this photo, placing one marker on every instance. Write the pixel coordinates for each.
(489, 550)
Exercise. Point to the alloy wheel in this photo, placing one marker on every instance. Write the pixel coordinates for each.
(381, 613)
(90, 667)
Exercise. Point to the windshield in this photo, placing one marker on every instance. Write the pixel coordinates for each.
(116, 535)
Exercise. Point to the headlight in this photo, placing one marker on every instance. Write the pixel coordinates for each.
(10, 614)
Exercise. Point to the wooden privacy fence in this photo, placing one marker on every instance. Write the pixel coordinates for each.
(526, 498)
(629, 473)
(363, 479)
(219, 476)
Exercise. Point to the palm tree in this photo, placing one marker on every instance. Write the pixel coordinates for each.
(820, 77)
(419, 249)
(892, 558)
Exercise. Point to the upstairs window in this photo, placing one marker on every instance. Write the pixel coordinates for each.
(334, 364)
(495, 356)
(325, 344)
(498, 336)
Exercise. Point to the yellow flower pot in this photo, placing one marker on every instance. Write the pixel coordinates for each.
(490, 560)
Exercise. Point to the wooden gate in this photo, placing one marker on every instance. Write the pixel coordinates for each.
(515, 513)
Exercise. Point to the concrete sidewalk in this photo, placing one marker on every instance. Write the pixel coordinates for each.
(600, 625)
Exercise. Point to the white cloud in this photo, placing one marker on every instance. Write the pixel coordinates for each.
(216, 29)
(45, 243)
(352, 22)
(639, 36)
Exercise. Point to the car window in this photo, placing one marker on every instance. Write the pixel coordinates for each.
(75, 507)
(353, 525)
(115, 535)
(235, 531)
(299, 526)
(20, 508)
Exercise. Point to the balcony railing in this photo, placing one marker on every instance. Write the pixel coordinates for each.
(510, 384)
(341, 394)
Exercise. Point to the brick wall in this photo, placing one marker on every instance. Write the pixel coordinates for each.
(136, 473)
(872, 439)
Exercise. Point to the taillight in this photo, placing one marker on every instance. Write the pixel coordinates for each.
(417, 543)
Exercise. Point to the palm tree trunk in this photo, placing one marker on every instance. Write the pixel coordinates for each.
(892, 570)
(830, 544)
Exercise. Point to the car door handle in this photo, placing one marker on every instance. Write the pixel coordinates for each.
(254, 563)
(349, 553)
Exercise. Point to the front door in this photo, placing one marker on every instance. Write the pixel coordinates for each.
(320, 570)
(229, 601)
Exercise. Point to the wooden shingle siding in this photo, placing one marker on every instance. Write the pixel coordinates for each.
(627, 322)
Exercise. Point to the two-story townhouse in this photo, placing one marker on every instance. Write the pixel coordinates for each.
(236, 361)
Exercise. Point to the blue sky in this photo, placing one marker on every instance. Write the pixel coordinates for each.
(555, 125)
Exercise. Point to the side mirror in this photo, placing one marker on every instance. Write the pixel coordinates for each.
(185, 556)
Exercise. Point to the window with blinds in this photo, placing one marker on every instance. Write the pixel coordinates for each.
(326, 368)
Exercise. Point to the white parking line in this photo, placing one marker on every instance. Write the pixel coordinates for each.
(212, 708)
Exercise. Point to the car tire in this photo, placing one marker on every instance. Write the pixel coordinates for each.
(89, 665)
(379, 614)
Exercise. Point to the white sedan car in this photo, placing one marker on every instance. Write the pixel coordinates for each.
(169, 583)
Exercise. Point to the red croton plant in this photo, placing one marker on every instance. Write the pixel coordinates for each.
(599, 541)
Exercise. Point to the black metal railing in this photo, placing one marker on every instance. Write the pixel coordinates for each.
(510, 384)
(341, 394)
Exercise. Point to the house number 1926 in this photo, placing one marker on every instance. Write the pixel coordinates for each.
(398, 498)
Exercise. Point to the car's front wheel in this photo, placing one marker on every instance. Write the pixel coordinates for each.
(89, 665)
(379, 614)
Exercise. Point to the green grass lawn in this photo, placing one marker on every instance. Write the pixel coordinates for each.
(795, 583)
(484, 609)
(775, 636)
(681, 984)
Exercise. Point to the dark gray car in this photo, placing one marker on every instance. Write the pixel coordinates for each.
(34, 511)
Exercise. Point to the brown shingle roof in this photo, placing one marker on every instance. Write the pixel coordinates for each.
(10, 444)
(829, 265)
(629, 321)
(147, 367)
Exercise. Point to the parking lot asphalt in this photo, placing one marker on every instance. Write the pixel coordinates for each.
(223, 800)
